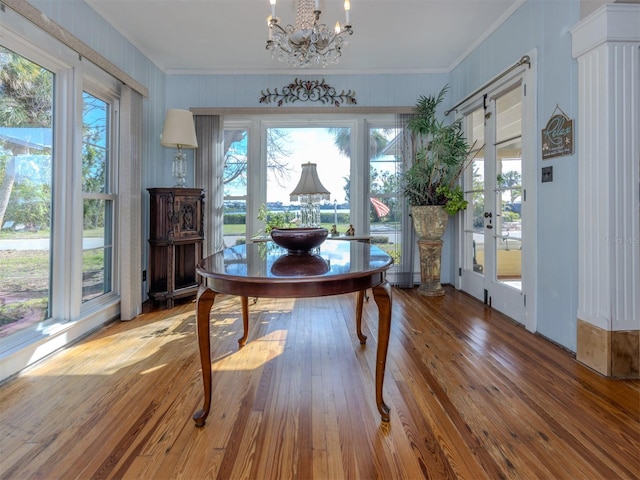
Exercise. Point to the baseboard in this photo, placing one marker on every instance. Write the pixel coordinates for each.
(611, 353)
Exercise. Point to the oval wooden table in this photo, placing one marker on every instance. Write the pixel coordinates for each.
(265, 270)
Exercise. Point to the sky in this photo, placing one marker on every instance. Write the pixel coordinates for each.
(314, 145)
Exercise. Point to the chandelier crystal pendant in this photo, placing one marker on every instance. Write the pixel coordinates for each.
(308, 42)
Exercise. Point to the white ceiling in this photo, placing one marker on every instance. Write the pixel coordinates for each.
(228, 36)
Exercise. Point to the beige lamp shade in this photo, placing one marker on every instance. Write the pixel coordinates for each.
(309, 184)
(179, 130)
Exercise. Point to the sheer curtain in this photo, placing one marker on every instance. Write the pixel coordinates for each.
(130, 198)
(405, 271)
(209, 169)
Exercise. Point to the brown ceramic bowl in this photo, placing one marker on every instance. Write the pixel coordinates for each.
(299, 240)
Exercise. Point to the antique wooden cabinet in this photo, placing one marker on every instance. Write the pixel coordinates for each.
(176, 237)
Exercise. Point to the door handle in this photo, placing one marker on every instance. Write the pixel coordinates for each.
(488, 215)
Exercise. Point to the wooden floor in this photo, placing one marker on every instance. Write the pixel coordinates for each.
(472, 395)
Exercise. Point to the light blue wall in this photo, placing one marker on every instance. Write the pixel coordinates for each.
(185, 91)
(542, 25)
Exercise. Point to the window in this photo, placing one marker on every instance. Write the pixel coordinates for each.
(26, 166)
(98, 198)
(235, 185)
(385, 210)
(58, 194)
(358, 160)
(329, 148)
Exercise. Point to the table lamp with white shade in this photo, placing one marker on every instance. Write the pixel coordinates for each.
(309, 192)
(179, 132)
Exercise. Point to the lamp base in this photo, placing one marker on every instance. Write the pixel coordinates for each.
(310, 215)
(180, 168)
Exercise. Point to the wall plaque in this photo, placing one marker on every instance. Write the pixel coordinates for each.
(557, 136)
(308, 91)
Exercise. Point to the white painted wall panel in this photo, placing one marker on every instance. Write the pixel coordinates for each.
(609, 167)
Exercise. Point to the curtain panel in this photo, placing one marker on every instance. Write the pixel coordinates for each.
(406, 269)
(209, 170)
(130, 203)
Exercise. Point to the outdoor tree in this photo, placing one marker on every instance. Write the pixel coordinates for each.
(511, 180)
(25, 102)
(94, 161)
(384, 184)
(236, 155)
(380, 183)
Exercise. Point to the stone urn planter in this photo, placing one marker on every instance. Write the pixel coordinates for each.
(430, 222)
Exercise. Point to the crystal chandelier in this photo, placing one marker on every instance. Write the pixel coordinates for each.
(308, 42)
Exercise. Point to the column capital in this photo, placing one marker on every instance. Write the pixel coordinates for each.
(613, 22)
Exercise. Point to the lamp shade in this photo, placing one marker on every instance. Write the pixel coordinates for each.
(309, 184)
(179, 130)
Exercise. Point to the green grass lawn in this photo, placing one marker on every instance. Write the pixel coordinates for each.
(45, 233)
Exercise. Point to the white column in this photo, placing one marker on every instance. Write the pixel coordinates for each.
(606, 45)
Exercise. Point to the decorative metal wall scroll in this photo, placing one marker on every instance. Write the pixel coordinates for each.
(557, 136)
(308, 91)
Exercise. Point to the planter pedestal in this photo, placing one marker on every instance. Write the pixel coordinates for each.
(430, 253)
(430, 223)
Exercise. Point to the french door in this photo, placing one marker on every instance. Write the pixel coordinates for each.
(494, 247)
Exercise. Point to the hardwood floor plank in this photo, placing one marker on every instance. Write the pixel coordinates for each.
(472, 395)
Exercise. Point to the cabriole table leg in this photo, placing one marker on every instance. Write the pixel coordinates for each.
(204, 302)
(359, 304)
(245, 321)
(382, 296)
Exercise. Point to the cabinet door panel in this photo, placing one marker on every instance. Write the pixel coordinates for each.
(188, 217)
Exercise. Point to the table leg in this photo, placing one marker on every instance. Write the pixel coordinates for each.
(382, 296)
(204, 302)
(359, 304)
(245, 321)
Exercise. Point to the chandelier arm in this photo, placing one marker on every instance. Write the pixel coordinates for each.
(274, 24)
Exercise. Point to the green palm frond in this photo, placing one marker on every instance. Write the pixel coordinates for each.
(441, 155)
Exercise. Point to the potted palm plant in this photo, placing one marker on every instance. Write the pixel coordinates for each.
(430, 184)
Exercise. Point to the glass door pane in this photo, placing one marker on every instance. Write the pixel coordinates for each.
(508, 189)
(474, 237)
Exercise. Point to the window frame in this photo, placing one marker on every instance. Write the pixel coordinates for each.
(360, 126)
